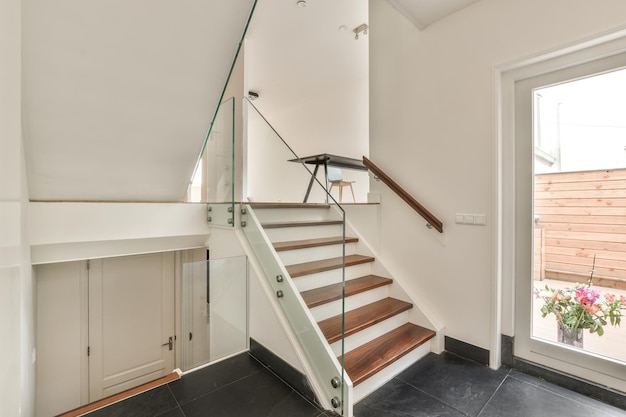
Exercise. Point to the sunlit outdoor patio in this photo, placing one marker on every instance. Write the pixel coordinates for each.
(612, 344)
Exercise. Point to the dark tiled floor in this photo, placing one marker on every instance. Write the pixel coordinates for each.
(446, 385)
(239, 386)
(438, 385)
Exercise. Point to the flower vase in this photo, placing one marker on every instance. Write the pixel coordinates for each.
(570, 336)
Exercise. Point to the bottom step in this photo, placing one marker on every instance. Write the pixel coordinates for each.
(365, 361)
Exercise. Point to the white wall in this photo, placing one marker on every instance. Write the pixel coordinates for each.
(17, 389)
(312, 79)
(432, 128)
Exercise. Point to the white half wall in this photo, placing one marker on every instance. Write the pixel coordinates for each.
(70, 231)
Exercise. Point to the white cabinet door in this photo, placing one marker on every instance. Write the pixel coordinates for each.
(131, 320)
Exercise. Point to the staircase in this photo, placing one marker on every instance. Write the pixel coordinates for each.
(379, 339)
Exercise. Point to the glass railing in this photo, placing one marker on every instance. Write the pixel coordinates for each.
(214, 178)
(215, 310)
(276, 179)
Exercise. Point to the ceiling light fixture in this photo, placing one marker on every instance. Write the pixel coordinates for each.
(301, 4)
(360, 29)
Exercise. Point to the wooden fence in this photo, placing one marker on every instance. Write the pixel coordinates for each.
(579, 215)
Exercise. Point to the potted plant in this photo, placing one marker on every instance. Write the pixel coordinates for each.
(581, 307)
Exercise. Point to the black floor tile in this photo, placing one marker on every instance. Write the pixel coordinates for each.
(570, 395)
(460, 383)
(398, 399)
(438, 385)
(211, 378)
(516, 398)
(148, 404)
(175, 412)
(259, 395)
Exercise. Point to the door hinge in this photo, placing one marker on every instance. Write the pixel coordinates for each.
(88, 351)
(190, 336)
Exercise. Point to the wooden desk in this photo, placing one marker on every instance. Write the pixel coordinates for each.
(327, 160)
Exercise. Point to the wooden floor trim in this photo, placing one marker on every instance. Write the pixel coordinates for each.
(122, 395)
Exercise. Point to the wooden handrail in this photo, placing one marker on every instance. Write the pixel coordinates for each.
(421, 210)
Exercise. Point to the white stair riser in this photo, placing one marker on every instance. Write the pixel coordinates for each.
(332, 309)
(385, 375)
(286, 215)
(285, 234)
(321, 279)
(296, 256)
(367, 335)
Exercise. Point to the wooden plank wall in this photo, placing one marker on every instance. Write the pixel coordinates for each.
(583, 214)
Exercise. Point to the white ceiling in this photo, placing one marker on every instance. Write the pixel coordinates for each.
(118, 94)
(425, 12)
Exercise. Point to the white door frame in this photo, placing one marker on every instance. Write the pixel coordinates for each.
(514, 218)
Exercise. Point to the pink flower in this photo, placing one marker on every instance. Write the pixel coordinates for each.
(610, 298)
(587, 295)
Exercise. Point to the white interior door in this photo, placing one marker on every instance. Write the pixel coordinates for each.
(131, 320)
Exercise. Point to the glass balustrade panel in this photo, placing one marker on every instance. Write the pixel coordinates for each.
(213, 181)
(276, 176)
(215, 310)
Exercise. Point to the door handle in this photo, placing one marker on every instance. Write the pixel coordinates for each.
(170, 343)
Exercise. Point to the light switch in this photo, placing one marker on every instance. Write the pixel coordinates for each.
(472, 219)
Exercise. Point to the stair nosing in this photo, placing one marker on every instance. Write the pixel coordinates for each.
(421, 336)
(350, 289)
(313, 267)
(305, 223)
(333, 324)
(275, 205)
(312, 243)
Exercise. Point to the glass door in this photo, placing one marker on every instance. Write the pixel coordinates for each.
(571, 220)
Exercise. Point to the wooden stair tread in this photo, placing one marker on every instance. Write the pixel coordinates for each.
(307, 268)
(280, 225)
(362, 318)
(312, 243)
(368, 359)
(323, 295)
(275, 205)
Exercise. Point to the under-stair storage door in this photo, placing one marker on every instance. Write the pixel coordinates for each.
(131, 322)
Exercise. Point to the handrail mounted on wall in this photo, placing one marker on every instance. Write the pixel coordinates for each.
(421, 210)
